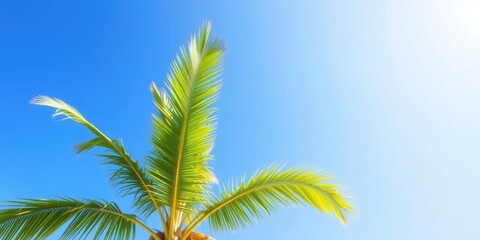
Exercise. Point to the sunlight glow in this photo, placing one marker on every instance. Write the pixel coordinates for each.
(466, 13)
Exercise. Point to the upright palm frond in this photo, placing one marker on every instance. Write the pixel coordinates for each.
(128, 176)
(183, 132)
(269, 188)
(39, 218)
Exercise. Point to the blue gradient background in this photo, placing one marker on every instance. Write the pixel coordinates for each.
(385, 94)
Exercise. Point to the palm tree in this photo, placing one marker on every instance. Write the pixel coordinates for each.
(175, 181)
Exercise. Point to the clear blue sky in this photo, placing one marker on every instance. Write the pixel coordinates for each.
(385, 94)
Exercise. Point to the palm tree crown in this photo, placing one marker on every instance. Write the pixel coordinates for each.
(175, 181)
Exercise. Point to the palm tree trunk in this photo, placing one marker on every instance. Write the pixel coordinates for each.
(159, 234)
(193, 236)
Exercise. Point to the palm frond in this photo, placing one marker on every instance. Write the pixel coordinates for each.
(267, 190)
(128, 176)
(39, 218)
(183, 129)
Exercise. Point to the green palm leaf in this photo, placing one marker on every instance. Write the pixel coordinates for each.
(39, 218)
(183, 132)
(270, 188)
(128, 176)
(176, 180)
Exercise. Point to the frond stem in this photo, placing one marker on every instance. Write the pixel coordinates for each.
(112, 145)
(140, 224)
(180, 147)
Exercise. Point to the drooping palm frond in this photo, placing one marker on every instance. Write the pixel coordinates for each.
(269, 188)
(39, 218)
(128, 176)
(183, 129)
